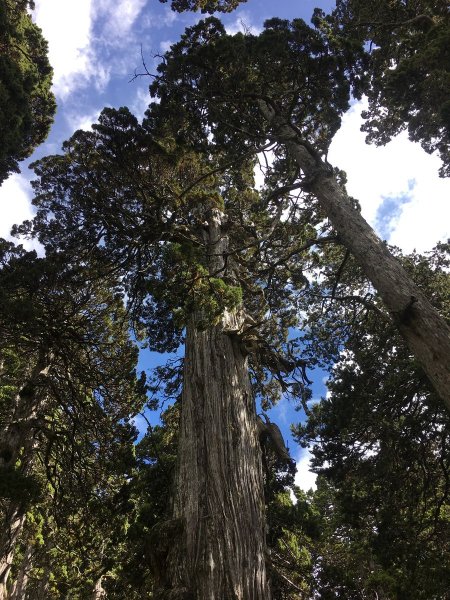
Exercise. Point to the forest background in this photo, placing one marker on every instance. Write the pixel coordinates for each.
(390, 209)
(95, 50)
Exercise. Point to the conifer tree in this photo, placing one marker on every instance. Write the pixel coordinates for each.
(379, 443)
(209, 261)
(288, 86)
(67, 362)
(27, 104)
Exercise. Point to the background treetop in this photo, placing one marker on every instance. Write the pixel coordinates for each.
(27, 104)
(406, 73)
(205, 6)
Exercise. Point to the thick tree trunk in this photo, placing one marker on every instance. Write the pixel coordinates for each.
(218, 500)
(14, 522)
(425, 331)
(17, 442)
(19, 588)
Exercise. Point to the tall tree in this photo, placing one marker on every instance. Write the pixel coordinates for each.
(27, 104)
(289, 87)
(380, 445)
(171, 204)
(68, 360)
(199, 249)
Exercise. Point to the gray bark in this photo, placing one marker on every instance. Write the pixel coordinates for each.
(15, 520)
(98, 592)
(218, 500)
(19, 588)
(17, 442)
(424, 330)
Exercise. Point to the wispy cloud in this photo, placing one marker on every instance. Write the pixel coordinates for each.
(165, 45)
(82, 120)
(389, 213)
(67, 26)
(118, 18)
(140, 102)
(80, 34)
(243, 22)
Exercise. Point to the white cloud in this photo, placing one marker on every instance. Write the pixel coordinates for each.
(243, 23)
(165, 45)
(169, 18)
(140, 103)
(150, 19)
(82, 121)
(67, 26)
(425, 220)
(304, 478)
(77, 51)
(15, 207)
(120, 18)
(399, 169)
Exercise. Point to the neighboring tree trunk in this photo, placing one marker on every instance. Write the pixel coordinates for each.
(98, 593)
(425, 331)
(218, 500)
(17, 442)
(42, 587)
(19, 588)
(15, 519)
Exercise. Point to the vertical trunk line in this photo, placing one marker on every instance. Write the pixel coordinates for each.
(16, 442)
(424, 330)
(218, 496)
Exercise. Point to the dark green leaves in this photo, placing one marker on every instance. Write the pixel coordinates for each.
(27, 104)
(206, 6)
(219, 79)
(406, 69)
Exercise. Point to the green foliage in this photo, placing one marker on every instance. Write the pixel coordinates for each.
(150, 533)
(379, 444)
(27, 104)
(406, 69)
(293, 530)
(190, 288)
(66, 425)
(129, 195)
(130, 208)
(289, 64)
(206, 6)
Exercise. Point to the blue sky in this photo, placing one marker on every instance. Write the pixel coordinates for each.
(95, 48)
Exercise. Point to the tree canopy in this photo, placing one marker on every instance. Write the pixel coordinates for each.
(206, 6)
(27, 104)
(157, 228)
(406, 71)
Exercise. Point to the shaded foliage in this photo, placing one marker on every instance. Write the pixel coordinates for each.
(406, 73)
(27, 104)
(205, 6)
(380, 444)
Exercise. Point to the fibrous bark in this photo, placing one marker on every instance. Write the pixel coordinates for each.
(19, 587)
(218, 498)
(16, 441)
